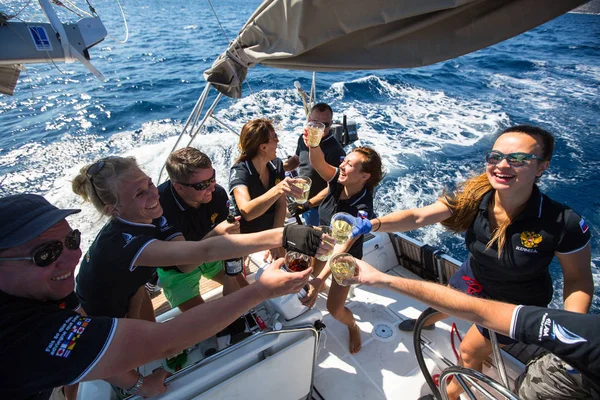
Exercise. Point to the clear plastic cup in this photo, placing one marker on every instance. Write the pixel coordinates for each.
(315, 132)
(296, 262)
(304, 183)
(327, 231)
(340, 227)
(343, 266)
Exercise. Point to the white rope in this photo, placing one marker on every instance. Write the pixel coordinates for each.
(126, 26)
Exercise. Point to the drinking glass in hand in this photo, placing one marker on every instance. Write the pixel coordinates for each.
(327, 231)
(315, 132)
(296, 262)
(303, 182)
(340, 227)
(342, 267)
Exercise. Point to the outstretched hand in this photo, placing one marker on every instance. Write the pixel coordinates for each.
(277, 282)
(365, 274)
(314, 286)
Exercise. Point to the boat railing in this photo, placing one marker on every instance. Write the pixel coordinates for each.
(463, 375)
(235, 367)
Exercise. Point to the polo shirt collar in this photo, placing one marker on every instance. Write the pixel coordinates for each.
(532, 209)
(124, 221)
(252, 170)
(178, 200)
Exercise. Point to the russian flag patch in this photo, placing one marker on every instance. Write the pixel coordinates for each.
(584, 227)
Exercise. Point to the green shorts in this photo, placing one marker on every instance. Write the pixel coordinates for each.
(179, 287)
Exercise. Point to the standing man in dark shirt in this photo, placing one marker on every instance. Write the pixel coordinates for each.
(45, 346)
(198, 207)
(334, 154)
(572, 338)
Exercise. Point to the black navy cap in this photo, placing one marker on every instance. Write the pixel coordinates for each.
(26, 216)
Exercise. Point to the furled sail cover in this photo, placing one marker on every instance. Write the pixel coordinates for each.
(336, 35)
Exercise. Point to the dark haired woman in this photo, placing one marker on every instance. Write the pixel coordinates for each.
(257, 181)
(350, 189)
(512, 232)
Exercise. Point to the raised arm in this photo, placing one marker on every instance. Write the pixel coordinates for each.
(317, 161)
(578, 288)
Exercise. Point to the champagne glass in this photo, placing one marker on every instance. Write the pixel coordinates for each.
(303, 182)
(340, 227)
(315, 132)
(327, 231)
(342, 267)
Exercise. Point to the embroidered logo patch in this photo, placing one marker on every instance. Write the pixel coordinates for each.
(65, 340)
(530, 239)
(128, 238)
(213, 217)
(584, 227)
(164, 225)
(277, 181)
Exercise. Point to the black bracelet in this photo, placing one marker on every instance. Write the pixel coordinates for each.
(378, 226)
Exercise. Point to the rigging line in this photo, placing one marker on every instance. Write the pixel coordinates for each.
(124, 22)
(8, 17)
(227, 38)
(61, 4)
(218, 21)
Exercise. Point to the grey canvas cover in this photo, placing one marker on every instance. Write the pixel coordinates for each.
(336, 35)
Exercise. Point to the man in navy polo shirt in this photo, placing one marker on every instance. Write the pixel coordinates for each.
(198, 207)
(45, 346)
(334, 154)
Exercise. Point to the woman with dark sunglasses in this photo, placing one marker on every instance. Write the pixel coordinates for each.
(257, 181)
(137, 239)
(512, 232)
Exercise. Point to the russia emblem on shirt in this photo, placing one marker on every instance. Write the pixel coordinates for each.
(584, 227)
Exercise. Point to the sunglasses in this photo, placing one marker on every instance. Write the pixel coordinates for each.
(513, 159)
(48, 253)
(93, 170)
(201, 185)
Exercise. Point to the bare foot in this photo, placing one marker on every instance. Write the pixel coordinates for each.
(355, 343)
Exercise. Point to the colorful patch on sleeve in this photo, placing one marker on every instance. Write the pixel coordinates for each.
(65, 339)
(584, 227)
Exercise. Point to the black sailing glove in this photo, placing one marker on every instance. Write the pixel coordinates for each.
(296, 209)
(301, 238)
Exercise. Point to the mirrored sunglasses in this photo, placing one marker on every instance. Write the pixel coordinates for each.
(513, 159)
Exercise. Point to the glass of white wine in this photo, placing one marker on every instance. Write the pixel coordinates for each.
(327, 231)
(315, 132)
(303, 182)
(343, 266)
(340, 227)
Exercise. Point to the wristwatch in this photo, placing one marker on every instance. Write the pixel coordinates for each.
(138, 385)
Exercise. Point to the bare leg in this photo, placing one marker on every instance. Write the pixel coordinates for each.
(317, 266)
(140, 306)
(193, 302)
(335, 305)
(473, 351)
(230, 283)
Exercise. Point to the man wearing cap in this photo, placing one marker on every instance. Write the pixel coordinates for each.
(334, 154)
(45, 346)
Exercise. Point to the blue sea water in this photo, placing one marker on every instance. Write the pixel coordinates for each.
(432, 125)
